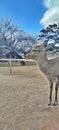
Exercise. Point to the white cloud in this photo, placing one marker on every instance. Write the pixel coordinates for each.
(52, 14)
(51, 3)
(47, 3)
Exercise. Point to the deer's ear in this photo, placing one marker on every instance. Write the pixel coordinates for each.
(45, 44)
(35, 48)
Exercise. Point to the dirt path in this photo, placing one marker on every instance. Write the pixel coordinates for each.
(23, 101)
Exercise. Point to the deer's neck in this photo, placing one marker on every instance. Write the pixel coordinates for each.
(43, 61)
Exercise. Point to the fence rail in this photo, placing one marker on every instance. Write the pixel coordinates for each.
(10, 62)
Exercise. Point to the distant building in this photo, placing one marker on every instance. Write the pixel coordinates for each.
(57, 46)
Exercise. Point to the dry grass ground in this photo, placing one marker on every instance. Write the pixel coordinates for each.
(23, 100)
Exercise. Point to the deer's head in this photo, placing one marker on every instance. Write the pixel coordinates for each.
(36, 52)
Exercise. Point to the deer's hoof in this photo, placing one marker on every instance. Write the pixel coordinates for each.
(49, 104)
(55, 104)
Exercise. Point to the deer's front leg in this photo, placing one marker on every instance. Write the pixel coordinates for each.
(51, 88)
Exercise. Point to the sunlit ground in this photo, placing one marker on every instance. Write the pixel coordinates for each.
(24, 100)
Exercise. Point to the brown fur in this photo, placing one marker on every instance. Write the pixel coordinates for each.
(49, 67)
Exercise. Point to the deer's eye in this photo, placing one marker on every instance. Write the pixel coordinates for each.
(34, 50)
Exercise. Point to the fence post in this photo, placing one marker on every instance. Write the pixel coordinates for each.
(10, 66)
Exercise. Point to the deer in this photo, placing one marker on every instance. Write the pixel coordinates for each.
(49, 67)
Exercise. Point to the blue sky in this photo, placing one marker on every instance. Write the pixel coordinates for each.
(30, 15)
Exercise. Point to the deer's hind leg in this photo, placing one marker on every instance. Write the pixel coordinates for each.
(51, 88)
(56, 91)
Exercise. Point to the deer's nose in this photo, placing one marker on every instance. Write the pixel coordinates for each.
(28, 56)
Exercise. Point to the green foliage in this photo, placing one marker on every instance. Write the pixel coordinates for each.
(50, 33)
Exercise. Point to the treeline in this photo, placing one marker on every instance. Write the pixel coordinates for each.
(15, 42)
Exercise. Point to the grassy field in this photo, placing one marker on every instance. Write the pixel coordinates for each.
(24, 100)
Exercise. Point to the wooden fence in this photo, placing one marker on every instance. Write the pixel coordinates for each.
(11, 60)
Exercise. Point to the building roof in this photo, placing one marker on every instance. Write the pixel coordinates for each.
(56, 45)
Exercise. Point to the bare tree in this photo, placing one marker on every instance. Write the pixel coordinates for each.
(14, 38)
